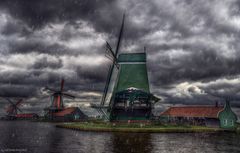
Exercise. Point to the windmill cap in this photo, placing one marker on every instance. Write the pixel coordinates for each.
(132, 57)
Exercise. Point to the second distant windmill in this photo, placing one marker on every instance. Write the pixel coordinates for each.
(57, 99)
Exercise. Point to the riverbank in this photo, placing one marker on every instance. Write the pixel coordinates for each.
(137, 128)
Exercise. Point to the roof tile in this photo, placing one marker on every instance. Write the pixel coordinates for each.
(193, 111)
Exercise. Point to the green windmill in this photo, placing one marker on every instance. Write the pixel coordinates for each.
(126, 95)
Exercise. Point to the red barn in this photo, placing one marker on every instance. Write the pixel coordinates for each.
(26, 116)
(196, 115)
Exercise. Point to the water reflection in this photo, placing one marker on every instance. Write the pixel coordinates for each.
(196, 143)
(44, 138)
(131, 142)
(25, 136)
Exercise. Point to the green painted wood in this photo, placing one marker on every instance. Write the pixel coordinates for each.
(227, 117)
(132, 74)
(132, 57)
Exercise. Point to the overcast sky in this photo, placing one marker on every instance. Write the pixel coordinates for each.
(193, 48)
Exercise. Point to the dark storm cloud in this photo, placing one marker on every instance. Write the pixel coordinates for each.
(105, 16)
(13, 27)
(37, 46)
(92, 74)
(201, 65)
(22, 91)
(193, 47)
(45, 63)
(29, 17)
(39, 13)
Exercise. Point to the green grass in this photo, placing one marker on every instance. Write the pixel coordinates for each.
(137, 127)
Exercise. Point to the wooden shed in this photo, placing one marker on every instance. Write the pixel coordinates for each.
(207, 115)
(69, 114)
(193, 115)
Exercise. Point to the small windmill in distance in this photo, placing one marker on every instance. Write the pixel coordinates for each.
(57, 99)
(13, 108)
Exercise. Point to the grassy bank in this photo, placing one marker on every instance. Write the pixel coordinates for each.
(138, 128)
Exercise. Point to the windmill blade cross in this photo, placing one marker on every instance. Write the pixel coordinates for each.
(19, 109)
(107, 85)
(111, 55)
(120, 35)
(19, 102)
(114, 55)
(62, 85)
(110, 51)
(9, 101)
(114, 61)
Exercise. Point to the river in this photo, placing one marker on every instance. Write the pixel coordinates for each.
(36, 137)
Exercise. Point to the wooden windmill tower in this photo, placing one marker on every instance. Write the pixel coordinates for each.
(126, 93)
(57, 100)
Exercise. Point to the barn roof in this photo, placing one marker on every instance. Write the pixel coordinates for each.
(65, 111)
(193, 111)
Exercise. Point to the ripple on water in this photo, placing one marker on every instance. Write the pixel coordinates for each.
(44, 137)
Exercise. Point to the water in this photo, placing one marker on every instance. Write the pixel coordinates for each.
(23, 136)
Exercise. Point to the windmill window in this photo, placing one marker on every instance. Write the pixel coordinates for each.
(225, 122)
(231, 122)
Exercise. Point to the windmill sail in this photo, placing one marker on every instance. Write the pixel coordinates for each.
(120, 36)
(57, 97)
(13, 107)
(110, 85)
(127, 91)
(112, 73)
(111, 79)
